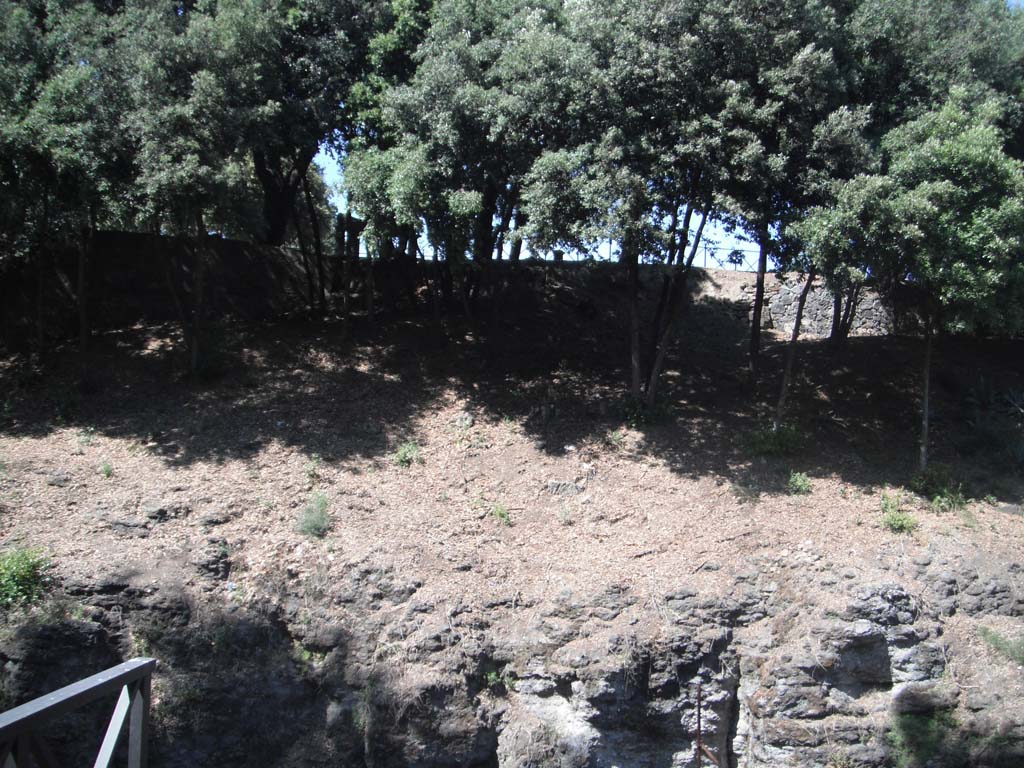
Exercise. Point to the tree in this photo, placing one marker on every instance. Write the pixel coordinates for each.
(789, 59)
(944, 226)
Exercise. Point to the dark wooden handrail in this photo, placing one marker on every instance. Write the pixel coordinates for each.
(21, 741)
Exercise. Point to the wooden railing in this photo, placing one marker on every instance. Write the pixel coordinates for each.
(21, 729)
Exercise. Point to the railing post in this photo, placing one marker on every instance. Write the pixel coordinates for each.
(138, 727)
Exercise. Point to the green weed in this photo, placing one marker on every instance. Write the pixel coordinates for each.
(500, 511)
(313, 469)
(107, 469)
(784, 441)
(24, 577)
(315, 519)
(1011, 649)
(891, 503)
(893, 516)
(407, 454)
(918, 739)
(799, 484)
(950, 499)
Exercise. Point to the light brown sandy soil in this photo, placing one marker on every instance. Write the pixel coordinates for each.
(643, 509)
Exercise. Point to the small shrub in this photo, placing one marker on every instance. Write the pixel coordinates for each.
(313, 470)
(899, 522)
(107, 469)
(949, 500)
(938, 478)
(799, 484)
(917, 739)
(408, 453)
(315, 519)
(891, 503)
(24, 577)
(501, 512)
(498, 683)
(1011, 649)
(784, 441)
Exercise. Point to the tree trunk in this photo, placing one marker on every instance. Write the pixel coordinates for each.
(837, 319)
(631, 257)
(41, 247)
(787, 372)
(198, 299)
(848, 314)
(926, 371)
(677, 292)
(279, 188)
(755, 325)
(310, 290)
(84, 250)
(517, 242)
(314, 223)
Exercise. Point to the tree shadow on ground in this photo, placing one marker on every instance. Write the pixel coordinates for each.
(549, 350)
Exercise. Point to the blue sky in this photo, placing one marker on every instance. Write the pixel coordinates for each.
(719, 242)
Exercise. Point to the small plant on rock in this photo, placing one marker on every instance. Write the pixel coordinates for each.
(24, 577)
(107, 469)
(799, 484)
(408, 453)
(315, 519)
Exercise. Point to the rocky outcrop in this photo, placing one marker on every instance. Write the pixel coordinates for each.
(363, 670)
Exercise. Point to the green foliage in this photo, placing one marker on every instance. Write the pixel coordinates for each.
(314, 466)
(891, 503)
(500, 683)
(917, 739)
(936, 479)
(107, 469)
(799, 484)
(894, 518)
(899, 521)
(1011, 649)
(24, 577)
(501, 513)
(407, 454)
(784, 441)
(315, 519)
(950, 500)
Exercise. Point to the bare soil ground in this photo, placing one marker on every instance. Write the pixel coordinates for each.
(530, 477)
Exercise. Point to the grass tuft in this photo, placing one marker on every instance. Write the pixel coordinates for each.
(1011, 649)
(784, 441)
(408, 453)
(501, 512)
(315, 519)
(24, 577)
(799, 484)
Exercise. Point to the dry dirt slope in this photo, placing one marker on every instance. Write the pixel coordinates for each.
(544, 581)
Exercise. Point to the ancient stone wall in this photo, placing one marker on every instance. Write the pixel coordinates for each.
(871, 318)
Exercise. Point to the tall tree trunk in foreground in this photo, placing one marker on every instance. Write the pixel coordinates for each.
(676, 295)
(314, 223)
(926, 370)
(198, 299)
(304, 250)
(755, 325)
(632, 258)
(787, 372)
(84, 252)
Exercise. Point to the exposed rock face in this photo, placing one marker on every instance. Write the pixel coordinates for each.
(362, 671)
(871, 317)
